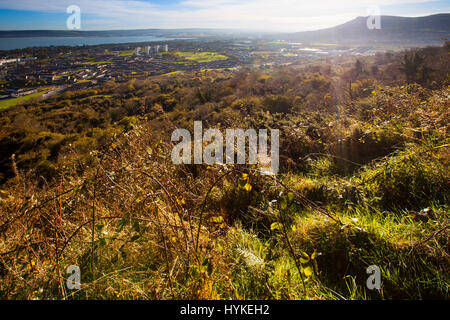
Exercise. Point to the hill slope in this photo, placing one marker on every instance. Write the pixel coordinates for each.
(427, 29)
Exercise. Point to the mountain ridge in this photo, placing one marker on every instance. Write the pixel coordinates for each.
(428, 29)
(418, 30)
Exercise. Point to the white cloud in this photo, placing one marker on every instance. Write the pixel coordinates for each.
(282, 15)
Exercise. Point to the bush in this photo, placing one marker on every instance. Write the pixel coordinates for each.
(128, 123)
(411, 179)
(278, 104)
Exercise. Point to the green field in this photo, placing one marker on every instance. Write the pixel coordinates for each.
(172, 73)
(12, 102)
(97, 62)
(202, 57)
(280, 42)
(122, 53)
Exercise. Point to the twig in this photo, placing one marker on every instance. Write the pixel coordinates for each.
(37, 207)
(173, 204)
(204, 205)
(307, 201)
(431, 237)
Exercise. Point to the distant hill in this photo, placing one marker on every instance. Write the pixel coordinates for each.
(113, 33)
(398, 30)
(68, 33)
(417, 30)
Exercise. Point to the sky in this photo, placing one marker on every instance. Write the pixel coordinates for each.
(262, 15)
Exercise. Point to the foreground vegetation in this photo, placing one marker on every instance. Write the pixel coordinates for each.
(364, 181)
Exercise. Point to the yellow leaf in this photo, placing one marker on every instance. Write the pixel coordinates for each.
(308, 271)
(217, 219)
(304, 261)
(276, 226)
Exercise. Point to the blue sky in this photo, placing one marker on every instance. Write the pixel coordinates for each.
(265, 15)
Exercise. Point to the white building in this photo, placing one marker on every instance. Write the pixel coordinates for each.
(137, 51)
(5, 61)
(166, 48)
(148, 49)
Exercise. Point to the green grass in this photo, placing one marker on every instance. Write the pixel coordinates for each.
(202, 57)
(123, 53)
(172, 73)
(97, 62)
(6, 104)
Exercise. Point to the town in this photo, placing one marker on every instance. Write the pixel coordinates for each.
(45, 71)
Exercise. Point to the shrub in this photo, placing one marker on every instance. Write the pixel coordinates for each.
(411, 179)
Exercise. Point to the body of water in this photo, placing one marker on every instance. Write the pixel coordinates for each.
(21, 43)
